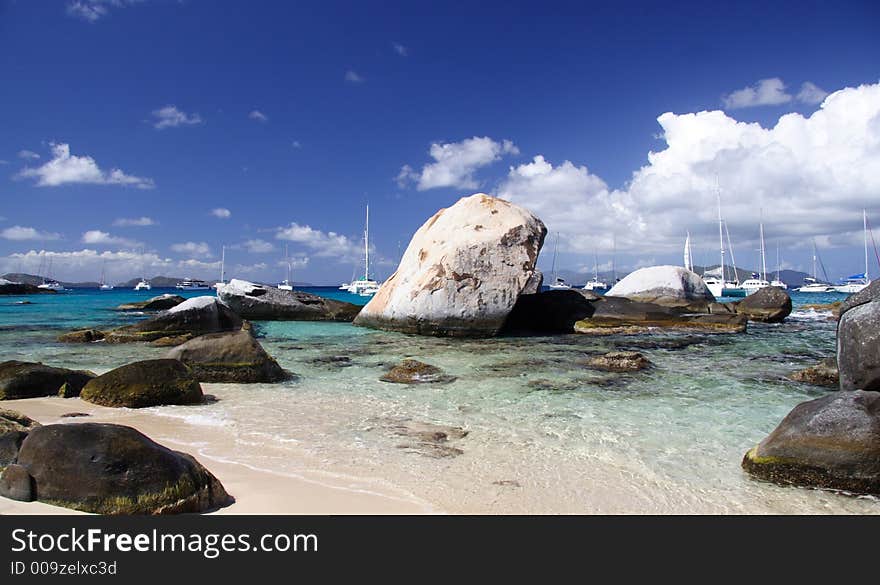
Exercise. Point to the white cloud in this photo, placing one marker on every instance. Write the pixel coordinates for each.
(296, 144)
(353, 77)
(811, 93)
(258, 246)
(400, 49)
(192, 249)
(811, 176)
(221, 213)
(258, 116)
(767, 92)
(65, 168)
(456, 162)
(97, 237)
(21, 233)
(134, 221)
(94, 10)
(28, 154)
(171, 117)
(324, 244)
(3, 162)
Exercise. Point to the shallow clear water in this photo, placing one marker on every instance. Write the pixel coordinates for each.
(546, 434)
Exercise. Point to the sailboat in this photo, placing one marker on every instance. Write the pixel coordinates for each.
(558, 283)
(811, 283)
(777, 282)
(287, 283)
(719, 286)
(104, 285)
(364, 286)
(50, 283)
(143, 284)
(688, 256)
(857, 282)
(595, 284)
(758, 281)
(222, 281)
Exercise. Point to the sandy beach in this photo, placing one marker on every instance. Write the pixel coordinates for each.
(256, 491)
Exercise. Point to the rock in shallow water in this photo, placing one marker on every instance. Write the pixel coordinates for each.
(194, 317)
(462, 271)
(81, 336)
(822, 374)
(415, 372)
(858, 347)
(831, 442)
(145, 383)
(33, 380)
(767, 305)
(111, 469)
(229, 357)
(159, 303)
(619, 361)
(668, 286)
(266, 303)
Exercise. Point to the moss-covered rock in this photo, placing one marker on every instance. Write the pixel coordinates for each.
(81, 336)
(113, 469)
(411, 371)
(619, 361)
(229, 357)
(14, 427)
(145, 383)
(767, 305)
(831, 442)
(194, 317)
(33, 380)
(822, 374)
(159, 303)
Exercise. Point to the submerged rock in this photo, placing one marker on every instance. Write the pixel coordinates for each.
(229, 357)
(767, 305)
(619, 361)
(145, 383)
(822, 374)
(159, 303)
(267, 303)
(110, 469)
(194, 317)
(831, 442)
(668, 286)
(858, 347)
(14, 427)
(462, 272)
(411, 371)
(427, 439)
(81, 336)
(33, 380)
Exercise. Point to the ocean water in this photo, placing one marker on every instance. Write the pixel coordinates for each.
(545, 434)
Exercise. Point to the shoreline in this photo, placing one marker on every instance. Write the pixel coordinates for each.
(256, 490)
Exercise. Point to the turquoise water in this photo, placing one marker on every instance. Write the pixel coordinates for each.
(545, 435)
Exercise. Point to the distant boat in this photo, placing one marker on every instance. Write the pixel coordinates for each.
(777, 282)
(719, 286)
(365, 286)
(104, 285)
(287, 283)
(144, 284)
(222, 281)
(50, 283)
(594, 283)
(558, 283)
(857, 282)
(688, 257)
(811, 283)
(192, 284)
(758, 281)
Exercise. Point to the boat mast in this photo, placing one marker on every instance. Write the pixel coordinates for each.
(367, 246)
(688, 263)
(555, 251)
(596, 265)
(223, 265)
(763, 257)
(865, 224)
(815, 276)
(720, 229)
(732, 257)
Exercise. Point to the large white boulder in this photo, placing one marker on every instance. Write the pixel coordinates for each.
(671, 286)
(462, 271)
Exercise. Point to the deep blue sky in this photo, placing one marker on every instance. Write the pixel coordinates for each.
(579, 81)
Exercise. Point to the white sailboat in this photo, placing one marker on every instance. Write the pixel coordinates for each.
(758, 281)
(594, 284)
(287, 283)
(719, 286)
(811, 283)
(858, 282)
(365, 286)
(143, 284)
(777, 282)
(688, 256)
(558, 283)
(222, 281)
(104, 285)
(50, 283)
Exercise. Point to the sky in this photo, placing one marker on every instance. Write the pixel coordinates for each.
(142, 136)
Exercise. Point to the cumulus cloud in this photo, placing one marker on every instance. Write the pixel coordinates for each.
(134, 221)
(94, 10)
(97, 237)
(28, 154)
(811, 176)
(400, 49)
(324, 244)
(171, 117)
(767, 92)
(811, 93)
(65, 168)
(258, 116)
(353, 77)
(258, 246)
(193, 249)
(456, 162)
(21, 233)
(221, 213)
